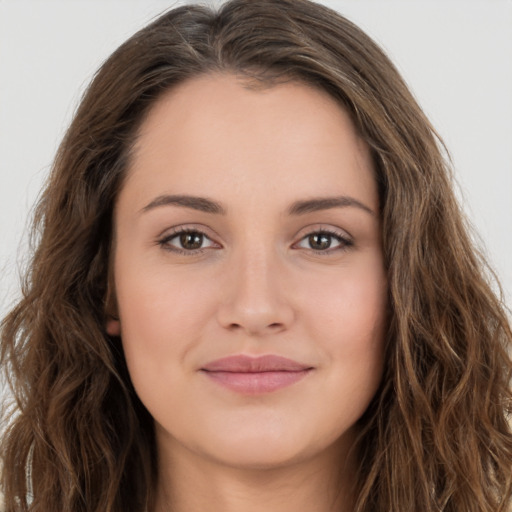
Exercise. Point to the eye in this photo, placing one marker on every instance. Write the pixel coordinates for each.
(325, 241)
(186, 241)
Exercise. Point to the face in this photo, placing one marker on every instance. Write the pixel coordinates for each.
(249, 274)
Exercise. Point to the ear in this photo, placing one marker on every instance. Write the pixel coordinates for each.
(113, 326)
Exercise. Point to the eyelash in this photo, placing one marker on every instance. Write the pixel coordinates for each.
(343, 240)
(164, 242)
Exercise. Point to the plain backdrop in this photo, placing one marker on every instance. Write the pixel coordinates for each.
(456, 55)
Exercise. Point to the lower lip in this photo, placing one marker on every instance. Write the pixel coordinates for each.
(258, 382)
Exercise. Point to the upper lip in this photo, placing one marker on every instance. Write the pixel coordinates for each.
(250, 364)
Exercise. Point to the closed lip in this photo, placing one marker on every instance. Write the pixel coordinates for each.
(249, 364)
(249, 375)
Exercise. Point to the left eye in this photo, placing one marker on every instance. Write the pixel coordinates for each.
(186, 241)
(322, 241)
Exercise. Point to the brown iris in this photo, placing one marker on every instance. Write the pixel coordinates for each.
(191, 241)
(319, 241)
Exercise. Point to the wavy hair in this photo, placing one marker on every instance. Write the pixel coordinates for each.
(437, 435)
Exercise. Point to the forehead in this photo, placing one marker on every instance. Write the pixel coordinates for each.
(215, 133)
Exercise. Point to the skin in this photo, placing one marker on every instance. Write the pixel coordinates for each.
(257, 287)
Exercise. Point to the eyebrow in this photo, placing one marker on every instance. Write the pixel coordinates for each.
(196, 203)
(326, 203)
(301, 207)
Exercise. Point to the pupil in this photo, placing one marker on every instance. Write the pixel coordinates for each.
(191, 240)
(320, 241)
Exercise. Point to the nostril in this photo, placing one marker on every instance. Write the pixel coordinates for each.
(276, 326)
(255, 314)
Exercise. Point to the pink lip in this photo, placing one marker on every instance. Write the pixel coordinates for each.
(255, 375)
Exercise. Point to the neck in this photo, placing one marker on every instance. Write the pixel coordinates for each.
(189, 483)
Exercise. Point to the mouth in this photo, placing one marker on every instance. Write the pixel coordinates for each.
(255, 375)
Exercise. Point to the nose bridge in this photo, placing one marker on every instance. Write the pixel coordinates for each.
(255, 298)
(254, 265)
(256, 283)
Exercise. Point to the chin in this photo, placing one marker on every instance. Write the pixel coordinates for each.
(259, 455)
(266, 448)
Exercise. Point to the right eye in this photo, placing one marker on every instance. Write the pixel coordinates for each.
(186, 241)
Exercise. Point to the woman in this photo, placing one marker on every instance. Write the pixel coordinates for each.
(253, 288)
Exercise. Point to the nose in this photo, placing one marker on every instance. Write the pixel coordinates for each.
(255, 298)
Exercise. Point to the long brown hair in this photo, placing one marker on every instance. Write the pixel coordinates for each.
(437, 435)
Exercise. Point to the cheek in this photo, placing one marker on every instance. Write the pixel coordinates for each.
(351, 304)
(162, 319)
(348, 320)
